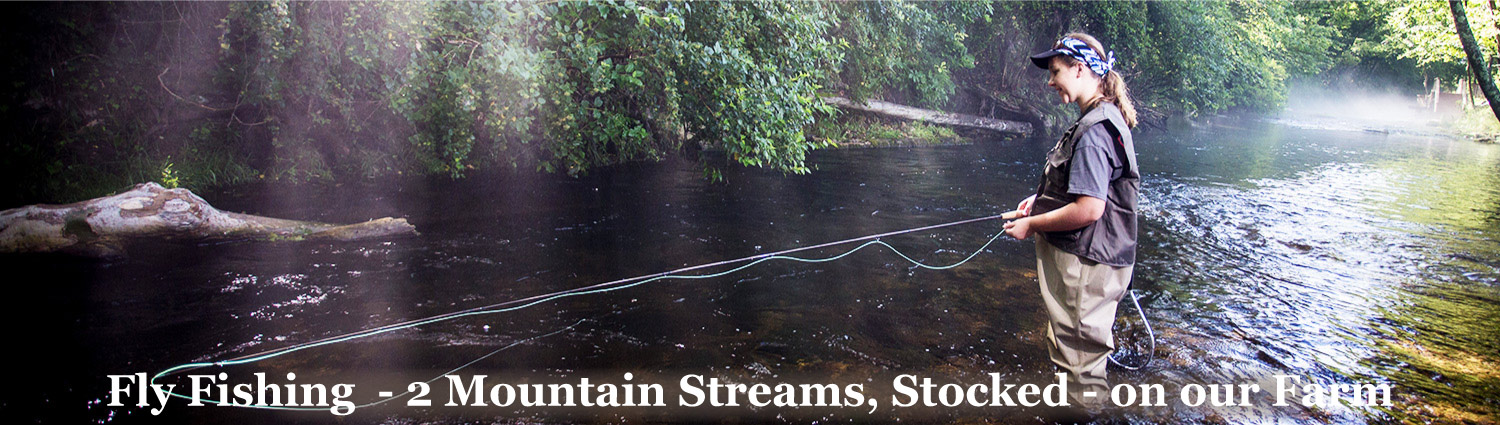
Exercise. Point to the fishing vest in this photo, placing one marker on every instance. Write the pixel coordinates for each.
(1111, 239)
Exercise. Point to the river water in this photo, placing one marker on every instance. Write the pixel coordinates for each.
(1334, 255)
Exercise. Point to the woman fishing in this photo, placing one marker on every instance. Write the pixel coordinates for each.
(1084, 214)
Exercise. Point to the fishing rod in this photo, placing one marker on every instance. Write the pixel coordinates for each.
(615, 285)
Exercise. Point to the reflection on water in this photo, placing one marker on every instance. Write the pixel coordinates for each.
(1336, 256)
(1351, 263)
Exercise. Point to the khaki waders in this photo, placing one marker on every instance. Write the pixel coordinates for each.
(1081, 297)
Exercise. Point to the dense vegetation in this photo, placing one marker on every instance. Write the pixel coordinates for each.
(103, 94)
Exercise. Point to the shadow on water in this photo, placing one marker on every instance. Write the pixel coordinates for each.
(1340, 257)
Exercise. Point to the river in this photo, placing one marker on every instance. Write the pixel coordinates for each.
(1267, 248)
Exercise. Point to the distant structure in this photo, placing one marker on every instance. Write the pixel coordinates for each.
(1451, 103)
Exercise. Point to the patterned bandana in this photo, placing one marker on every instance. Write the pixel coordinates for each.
(1081, 51)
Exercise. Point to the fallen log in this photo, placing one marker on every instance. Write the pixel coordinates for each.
(100, 227)
(936, 117)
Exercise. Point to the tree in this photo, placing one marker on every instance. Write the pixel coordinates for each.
(1476, 58)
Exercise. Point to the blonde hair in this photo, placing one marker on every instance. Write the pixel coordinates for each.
(1112, 85)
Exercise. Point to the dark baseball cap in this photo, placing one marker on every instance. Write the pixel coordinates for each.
(1044, 59)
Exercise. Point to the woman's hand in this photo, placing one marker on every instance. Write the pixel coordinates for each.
(1024, 208)
(1019, 229)
(1081, 212)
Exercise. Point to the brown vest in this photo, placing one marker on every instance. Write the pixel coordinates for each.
(1111, 239)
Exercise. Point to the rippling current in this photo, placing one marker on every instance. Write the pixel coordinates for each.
(1266, 249)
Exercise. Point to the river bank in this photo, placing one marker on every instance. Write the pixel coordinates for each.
(208, 170)
(862, 130)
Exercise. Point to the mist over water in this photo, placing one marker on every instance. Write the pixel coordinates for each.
(1360, 109)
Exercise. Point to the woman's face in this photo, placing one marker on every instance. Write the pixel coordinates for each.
(1069, 80)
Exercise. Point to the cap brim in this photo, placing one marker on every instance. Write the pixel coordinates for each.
(1043, 60)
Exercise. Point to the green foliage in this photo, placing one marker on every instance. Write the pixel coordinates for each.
(928, 132)
(1178, 57)
(106, 92)
(1479, 122)
(310, 76)
(750, 73)
(1423, 32)
(905, 46)
(608, 80)
(474, 83)
(169, 177)
(849, 130)
(1208, 56)
(1361, 51)
(629, 81)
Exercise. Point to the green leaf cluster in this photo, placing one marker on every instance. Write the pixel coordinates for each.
(904, 47)
(629, 81)
(1205, 57)
(472, 86)
(1423, 32)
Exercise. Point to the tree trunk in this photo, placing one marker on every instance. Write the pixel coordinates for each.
(1476, 58)
(936, 117)
(1497, 27)
(100, 227)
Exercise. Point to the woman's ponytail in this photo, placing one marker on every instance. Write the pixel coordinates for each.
(1112, 86)
(1115, 92)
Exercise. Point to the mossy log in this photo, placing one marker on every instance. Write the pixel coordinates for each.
(935, 117)
(100, 227)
